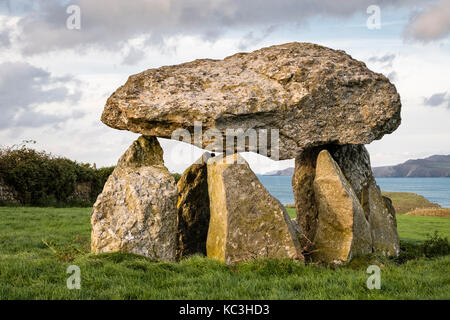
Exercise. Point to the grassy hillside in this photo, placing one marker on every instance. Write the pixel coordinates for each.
(430, 212)
(38, 244)
(406, 201)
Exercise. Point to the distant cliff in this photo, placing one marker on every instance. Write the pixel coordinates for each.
(434, 166)
(284, 172)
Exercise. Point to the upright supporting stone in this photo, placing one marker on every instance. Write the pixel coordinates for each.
(354, 161)
(136, 212)
(342, 229)
(383, 223)
(193, 209)
(7, 193)
(303, 187)
(246, 221)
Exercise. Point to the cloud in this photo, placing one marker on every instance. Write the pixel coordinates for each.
(133, 56)
(387, 59)
(4, 38)
(432, 23)
(437, 99)
(5, 34)
(250, 39)
(24, 87)
(392, 76)
(109, 24)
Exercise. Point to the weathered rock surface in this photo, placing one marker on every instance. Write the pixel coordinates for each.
(383, 223)
(314, 96)
(193, 209)
(303, 187)
(354, 162)
(7, 194)
(136, 212)
(342, 229)
(246, 221)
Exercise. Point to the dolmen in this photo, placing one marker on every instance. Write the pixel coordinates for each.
(298, 101)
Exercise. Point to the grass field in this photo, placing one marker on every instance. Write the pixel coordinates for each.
(407, 201)
(38, 244)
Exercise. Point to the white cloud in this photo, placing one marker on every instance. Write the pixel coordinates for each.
(437, 99)
(23, 88)
(111, 24)
(432, 23)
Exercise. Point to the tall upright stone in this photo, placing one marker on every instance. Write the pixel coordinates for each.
(246, 221)
(303, 188)
(7, 193)
(193, 209)
(383, 223)
(342, 228)
(354, 161)
(136, 212)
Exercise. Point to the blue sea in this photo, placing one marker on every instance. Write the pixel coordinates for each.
(436, 190)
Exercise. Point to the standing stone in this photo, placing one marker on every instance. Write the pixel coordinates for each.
(193, 209)
(354, 161)
(303, 187)
(247, 222)
(342, 229)
(136, 212)
(7, 193)
(383, 223)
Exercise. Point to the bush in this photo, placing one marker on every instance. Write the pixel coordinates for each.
(41, 179)
(435, 246)
(176, 176)
(408, 251)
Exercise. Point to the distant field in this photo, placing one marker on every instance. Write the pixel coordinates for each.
(38, 244)
(291, 212)
(430, 212)
(415, 228)
(406, 201)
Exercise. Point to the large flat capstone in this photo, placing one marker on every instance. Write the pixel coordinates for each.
(312, 94)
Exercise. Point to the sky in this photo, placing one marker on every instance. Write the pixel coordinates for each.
(61, 60)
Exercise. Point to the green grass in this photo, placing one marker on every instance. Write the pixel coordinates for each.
(38, 244)
(416, 228)
(291, 212)
(406, 201)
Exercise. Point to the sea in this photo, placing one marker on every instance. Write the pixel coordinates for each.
(436, 190)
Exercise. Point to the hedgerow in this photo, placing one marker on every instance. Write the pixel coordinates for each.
(42, 179)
